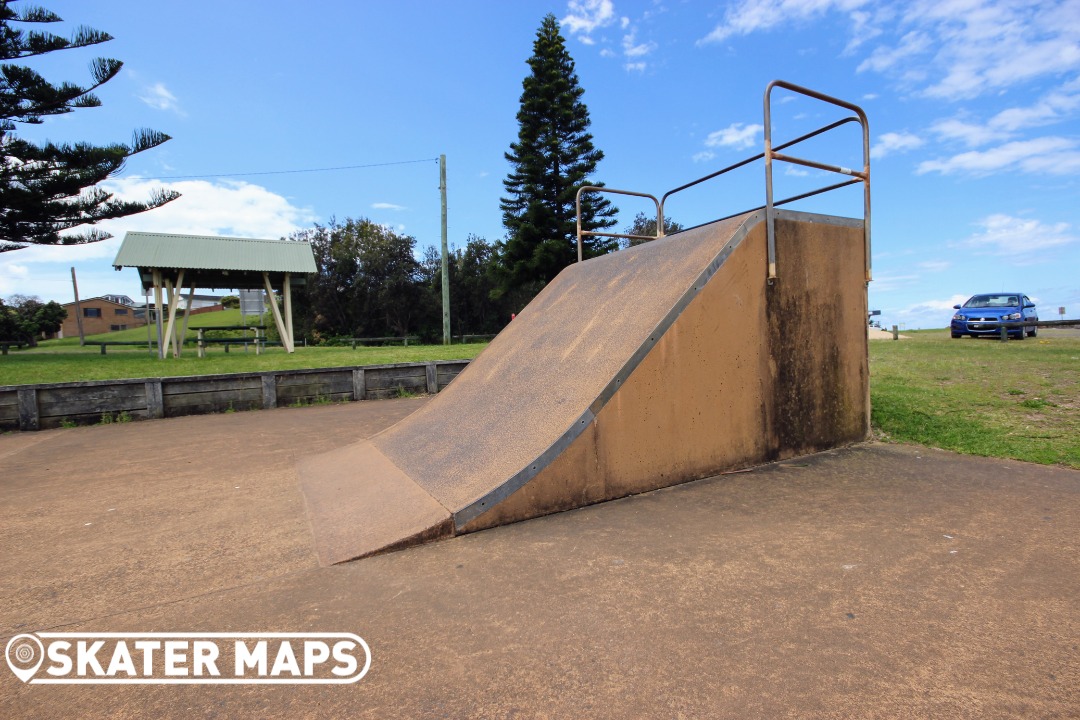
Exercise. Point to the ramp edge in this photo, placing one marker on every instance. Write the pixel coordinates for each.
(519, 479)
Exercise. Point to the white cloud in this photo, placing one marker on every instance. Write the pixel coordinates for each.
(703, 156)
(633, 49)
(608, 53)
(895, 142)
(751, 16)
(386, 206)
(950, 49)
(635, 67)
(1051, 155)
(969, 133)
(1053, 107)
(935, 265)
(736, 135)
(795, 171)
(585, 16)
(1014, 237)
(885, 58)
(226, 207)
(885, 281)
(934, 313)
(158, 96)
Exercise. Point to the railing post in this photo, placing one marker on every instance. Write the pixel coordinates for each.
(770, 212)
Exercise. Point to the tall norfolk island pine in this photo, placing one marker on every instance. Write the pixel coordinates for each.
(552, 158)
(46, 189)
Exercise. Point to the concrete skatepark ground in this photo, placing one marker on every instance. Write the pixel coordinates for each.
(871, 581)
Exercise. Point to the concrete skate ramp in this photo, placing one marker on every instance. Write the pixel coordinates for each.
(651, 366)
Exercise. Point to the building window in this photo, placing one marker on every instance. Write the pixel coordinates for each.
(121, 311)
(91, 312)
(114, 328)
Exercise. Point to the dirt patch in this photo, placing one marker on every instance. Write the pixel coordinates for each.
(879, 334)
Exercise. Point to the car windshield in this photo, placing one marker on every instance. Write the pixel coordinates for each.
(990, 301)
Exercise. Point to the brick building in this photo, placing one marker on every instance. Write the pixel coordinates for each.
(102, 315)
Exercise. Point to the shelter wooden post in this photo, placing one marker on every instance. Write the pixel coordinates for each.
(174, 300)
(286, 293)
(157, 314)
(286, 341)
(187, 315)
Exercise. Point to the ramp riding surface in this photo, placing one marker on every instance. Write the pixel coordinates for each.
(644, 368)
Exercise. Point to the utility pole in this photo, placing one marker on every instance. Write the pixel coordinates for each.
(445, 264)
(78, 308)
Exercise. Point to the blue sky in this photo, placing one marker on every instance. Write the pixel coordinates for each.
(973, 109)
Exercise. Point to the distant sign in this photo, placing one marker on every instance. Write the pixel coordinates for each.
(1061, 311)
(251, 303)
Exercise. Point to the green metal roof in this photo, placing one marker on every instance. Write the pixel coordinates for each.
(201, 252)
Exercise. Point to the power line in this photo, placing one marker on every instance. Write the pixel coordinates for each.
(289, 172)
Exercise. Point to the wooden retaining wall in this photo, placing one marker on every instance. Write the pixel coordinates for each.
(48, 405)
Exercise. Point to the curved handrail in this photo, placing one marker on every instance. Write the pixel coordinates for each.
(755, 158)
(597, 188)
(771, 154)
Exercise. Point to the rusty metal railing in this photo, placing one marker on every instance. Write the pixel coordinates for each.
(597, 233)
(770, 155)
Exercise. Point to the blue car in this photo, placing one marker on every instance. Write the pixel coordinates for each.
(981, 314)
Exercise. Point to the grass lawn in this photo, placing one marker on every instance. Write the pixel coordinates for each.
(66, 361)
(1019, 399)
(73, 364)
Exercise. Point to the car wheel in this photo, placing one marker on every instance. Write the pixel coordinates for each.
(957, 335)
(1034, 332)
(1021, 335)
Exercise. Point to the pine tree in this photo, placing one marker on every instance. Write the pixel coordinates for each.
(46, 189)
(553, 157)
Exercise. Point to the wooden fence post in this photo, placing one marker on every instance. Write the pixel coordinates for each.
(155, 401)
(28, 409)
(359, 384)
(269, 391)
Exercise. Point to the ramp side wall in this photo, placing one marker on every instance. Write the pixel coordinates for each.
(747, 374)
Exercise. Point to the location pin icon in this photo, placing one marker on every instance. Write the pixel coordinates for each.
(24, 655)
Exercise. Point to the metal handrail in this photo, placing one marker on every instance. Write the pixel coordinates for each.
(769, 155)
(755, 158)
(597, 233)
